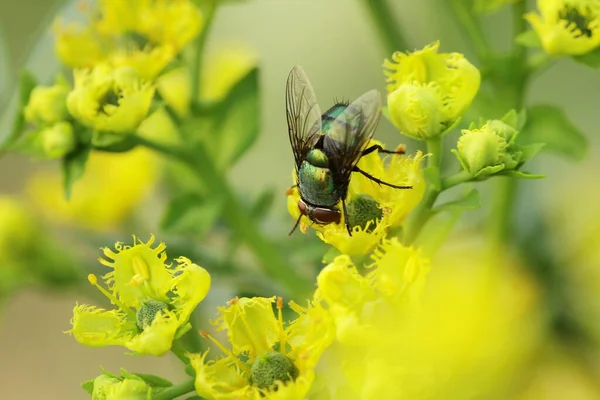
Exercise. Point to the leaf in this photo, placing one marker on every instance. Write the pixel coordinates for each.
(26, 84)
(529, 39)
(236, 121)
(550, 125)
(73, 168)
(591, 59)
(191, 213)
(523, 175)
(113, 142)
(88, 386)
(432, 175)
(530, 151)
(471, 200)
(154, 381)
(263, 203)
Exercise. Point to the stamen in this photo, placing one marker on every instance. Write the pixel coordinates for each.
(281, 329)
(141, 271)
(113, 299)
(259, 343)
(227, 352)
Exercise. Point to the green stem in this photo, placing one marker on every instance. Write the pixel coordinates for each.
(388, 29)
(469, 23)
(455, 179)
(237, 215)
(502, 210)
(418, 218)
(209, 14)
(180, 351)
(175, 391)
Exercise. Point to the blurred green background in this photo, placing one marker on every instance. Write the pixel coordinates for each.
(336, 44)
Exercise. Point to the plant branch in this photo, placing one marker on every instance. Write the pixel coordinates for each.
(175, 391)
(388, 29)
(237, 215)
(199, 49)
(471, 27)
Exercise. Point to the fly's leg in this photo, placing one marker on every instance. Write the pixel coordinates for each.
(295, 225)
(377, 180)
(399, 150)
(346, 217)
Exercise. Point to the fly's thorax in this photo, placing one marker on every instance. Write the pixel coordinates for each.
(316, 185)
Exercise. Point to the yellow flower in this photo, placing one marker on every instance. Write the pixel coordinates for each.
(468, 334)
(224, 69)
(429, 91)
(567, 27)
(267, 360)
(146, 18)
(155, 300)
(372, 208)
(148, 62)
(47, 104)
(174, 88)
(93, 203)
(78, 46)
(110, 100)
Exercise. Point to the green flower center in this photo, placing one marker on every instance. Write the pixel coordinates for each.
(147, 312)
(109, 98)
(271, 367)
(580, 21)
(361, 210)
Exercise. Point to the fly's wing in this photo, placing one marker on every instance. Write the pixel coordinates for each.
(303, 114)
(349, 134)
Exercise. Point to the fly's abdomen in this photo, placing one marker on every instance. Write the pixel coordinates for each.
(316, 185)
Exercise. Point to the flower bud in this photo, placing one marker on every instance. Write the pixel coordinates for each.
(47, 104)
(58, 140)
(429, 91)
(271, 367)
(417, 110)
(480, 151)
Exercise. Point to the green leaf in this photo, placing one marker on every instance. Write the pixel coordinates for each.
(73, 168)
(263, 203)
(236, 122)
(154, 381)
(511, 118)
(529, 39)
(88, 386)
(432, 175)
(330, 255)
(523, 175)
(471, 200)
(26, 84)
(191, 213)
(591, 59)
(113, 142)
(530, 151)
(550, 125)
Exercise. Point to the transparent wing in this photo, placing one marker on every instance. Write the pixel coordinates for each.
(303, 114)
(350, 132)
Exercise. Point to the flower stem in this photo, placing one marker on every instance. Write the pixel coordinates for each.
(175, 391)
(418, 218)
(471, 27)
(199, 50)
(500, 220)
(388, 29)
(455, 179)
(180, 351)
(236, 215)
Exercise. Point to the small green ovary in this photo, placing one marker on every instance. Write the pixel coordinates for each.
(271, 367)
(361, 210)
(148, 311)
